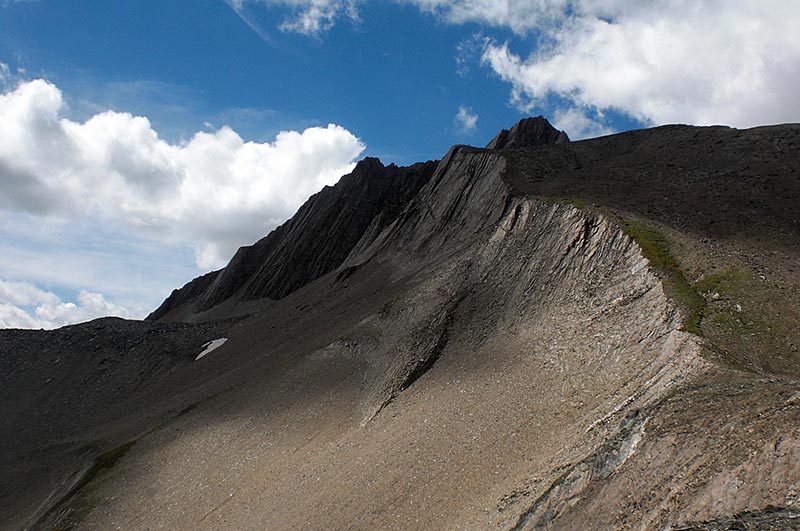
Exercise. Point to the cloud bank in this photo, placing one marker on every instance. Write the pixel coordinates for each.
(23, 305)
(104, 203)
(215, 191)
(732, 62)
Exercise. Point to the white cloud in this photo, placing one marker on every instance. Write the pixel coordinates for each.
(215, 191)
(312, 17)
(315, 16)
(519, 15)
(734, 62)
(5, 75)
(578, 124)
(135, 272)
(23, 305)
(308, 17)
(466, 120)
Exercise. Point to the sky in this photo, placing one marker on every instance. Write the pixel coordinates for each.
(141, 143)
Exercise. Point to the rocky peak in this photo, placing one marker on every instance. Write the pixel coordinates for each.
(528, 132)
(368, 165)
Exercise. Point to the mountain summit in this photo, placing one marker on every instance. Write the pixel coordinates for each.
(528, 132)
(540, 334)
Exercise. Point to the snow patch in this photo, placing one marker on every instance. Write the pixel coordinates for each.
(211, 345)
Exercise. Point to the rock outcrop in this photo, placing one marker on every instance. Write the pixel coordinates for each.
(528, 132)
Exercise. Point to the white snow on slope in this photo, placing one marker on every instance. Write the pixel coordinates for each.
(211, 345)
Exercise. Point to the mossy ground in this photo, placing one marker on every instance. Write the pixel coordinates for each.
(739, 315)
(656, 249)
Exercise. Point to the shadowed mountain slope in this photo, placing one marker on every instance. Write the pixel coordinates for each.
(551, 335)
(313, 242)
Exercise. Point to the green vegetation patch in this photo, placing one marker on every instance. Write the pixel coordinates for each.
(655, 248)
(723, 285)
(574, 201)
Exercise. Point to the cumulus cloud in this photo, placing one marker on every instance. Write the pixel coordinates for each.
(578, 123)
(23, 305)
(732, 62)
(216, 191)
(466, 120)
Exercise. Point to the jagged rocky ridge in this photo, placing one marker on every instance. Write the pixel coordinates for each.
(312, 243)
(501, 353)
(324, 231)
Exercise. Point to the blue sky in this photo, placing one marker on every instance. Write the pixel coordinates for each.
(144, 141)
(392, 78)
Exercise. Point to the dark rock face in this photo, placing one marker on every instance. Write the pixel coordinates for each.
(528, 132)
(184, 296)
(717, 181)
(312, 243)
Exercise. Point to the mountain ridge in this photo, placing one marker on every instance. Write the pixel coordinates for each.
(253, 268)
(545, 336)
(336, 218)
